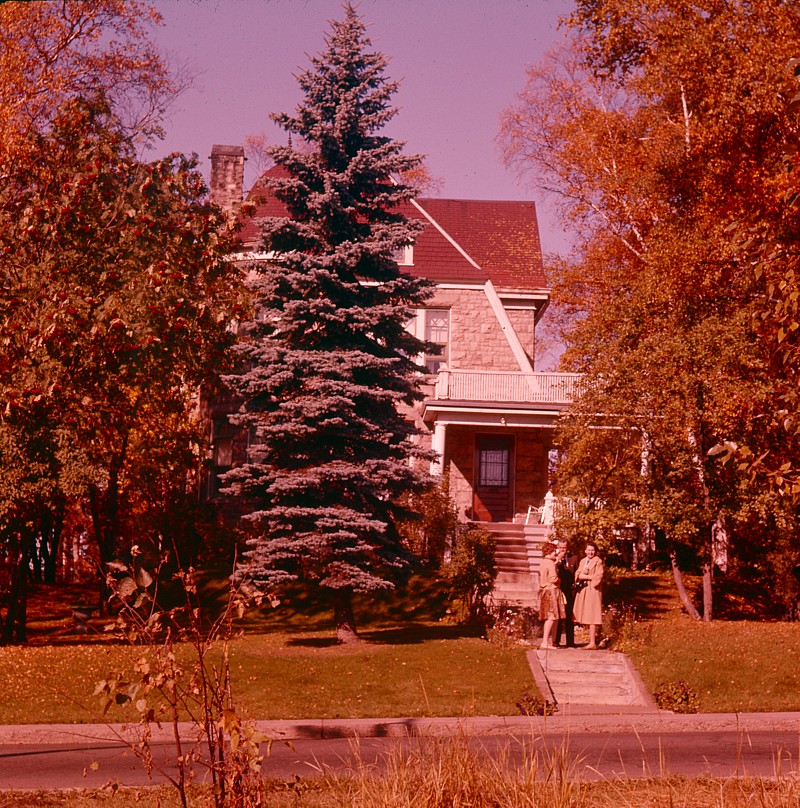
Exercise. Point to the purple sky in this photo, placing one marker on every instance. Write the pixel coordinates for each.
(460, 64)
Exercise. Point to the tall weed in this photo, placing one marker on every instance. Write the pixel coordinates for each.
(456, 772)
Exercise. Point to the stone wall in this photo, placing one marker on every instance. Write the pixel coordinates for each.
(523, 322)
(476, 339)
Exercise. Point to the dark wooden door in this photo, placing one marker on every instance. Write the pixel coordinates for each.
(493, 485)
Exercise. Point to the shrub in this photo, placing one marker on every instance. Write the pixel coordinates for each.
(534, 704)
(168, 686)
(621, 628)
(678, 697)
(432, 535)
(510, 625)
(471, 572)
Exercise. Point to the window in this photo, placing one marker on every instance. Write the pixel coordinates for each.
(437, 331)
(432, 325)
(404, 256)
(222, 432)
(494, 467)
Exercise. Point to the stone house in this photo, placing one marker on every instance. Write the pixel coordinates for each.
(487, 413)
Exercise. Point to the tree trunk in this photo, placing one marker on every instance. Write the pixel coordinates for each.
(35, 564)
(708, 562)
(343, 616)
(708, 590)
(105, 545)
(682, 593)
(51, 541)
(15, 628)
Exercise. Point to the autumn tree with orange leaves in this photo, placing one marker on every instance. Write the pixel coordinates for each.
(115, 296)
(662, 127)
(55, 51)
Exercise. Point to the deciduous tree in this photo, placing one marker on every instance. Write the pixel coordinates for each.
(56, 51)
(660, 124)
(115, 302)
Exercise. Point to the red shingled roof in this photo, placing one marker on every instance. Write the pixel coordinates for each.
(502, 238)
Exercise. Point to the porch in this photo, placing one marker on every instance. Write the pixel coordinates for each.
(507, 386)
(492, 431)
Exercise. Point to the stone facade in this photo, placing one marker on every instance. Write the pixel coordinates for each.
(476, 339)
(480, 255)
(531, 458)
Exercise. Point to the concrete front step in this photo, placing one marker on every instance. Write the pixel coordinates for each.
(579, 662)
(576, 676)
(522, 581)
(524, 578)
(569, 678)
(506, 551)
(517, 558)
(516, 587)
(523, 598)
(599, 695)
(505, 567)
(593, 692)
(502, 527)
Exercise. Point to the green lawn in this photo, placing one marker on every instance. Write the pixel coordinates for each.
(421, 671)
(287, 666)
(732, 665)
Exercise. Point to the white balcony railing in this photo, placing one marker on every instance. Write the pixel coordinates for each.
(508, 386)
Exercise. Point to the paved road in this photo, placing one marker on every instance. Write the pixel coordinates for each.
(762, 753)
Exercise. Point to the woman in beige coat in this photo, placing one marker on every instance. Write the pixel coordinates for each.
(588, 609)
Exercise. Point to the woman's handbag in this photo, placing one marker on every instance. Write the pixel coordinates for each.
(578, 585)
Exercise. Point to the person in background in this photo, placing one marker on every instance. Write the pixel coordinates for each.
(588, 609)
(551, 602)
(566, 564)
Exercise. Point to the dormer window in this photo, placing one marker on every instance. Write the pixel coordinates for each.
(404, 256)
(432, 325)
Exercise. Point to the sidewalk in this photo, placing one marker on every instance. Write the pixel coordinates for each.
(585, 719)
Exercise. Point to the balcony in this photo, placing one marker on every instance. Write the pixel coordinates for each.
(508, 387)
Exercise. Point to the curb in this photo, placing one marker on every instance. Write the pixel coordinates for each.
(515, 725)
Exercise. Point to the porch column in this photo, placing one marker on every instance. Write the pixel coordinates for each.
(437, 444)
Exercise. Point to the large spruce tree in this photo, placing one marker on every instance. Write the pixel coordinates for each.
(328, 360)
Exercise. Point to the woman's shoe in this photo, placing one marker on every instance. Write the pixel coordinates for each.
(589, 647)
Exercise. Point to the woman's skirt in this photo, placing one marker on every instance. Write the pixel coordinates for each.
(551, 604)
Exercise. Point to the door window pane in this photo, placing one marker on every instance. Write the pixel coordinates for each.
(493, 467)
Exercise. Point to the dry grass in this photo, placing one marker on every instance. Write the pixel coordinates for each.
(450, 773)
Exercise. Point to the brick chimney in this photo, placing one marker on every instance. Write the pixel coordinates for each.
(227, 177)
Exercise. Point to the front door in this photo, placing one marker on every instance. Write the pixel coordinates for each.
(493, 485)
